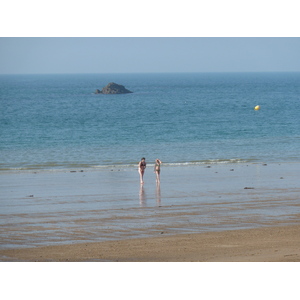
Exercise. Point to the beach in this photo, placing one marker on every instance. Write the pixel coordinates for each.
(213, 213)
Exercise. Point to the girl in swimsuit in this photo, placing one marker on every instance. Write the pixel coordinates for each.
(142, 167)
(157, 169)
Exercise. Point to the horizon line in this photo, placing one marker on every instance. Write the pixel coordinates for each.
(156, 72)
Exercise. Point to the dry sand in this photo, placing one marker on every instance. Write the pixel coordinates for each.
(269, 244)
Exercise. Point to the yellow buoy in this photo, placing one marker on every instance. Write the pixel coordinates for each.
(257, 107)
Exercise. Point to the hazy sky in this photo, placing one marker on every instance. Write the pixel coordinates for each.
(127, 55)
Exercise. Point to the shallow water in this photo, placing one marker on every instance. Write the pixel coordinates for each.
(46, 208)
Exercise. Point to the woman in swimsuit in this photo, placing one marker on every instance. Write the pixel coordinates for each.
(142, 167)
(157, 169)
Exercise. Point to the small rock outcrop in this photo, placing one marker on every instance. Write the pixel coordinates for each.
(113, 88)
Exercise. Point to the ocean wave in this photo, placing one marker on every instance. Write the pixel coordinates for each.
(211, 162)
(63, 167)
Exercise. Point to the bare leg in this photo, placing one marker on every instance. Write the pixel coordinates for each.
(157, 177)
(141, 176)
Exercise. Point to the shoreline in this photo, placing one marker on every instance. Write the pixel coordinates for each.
(267, 244)
(134, 165)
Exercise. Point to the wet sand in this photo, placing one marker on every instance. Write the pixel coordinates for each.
(203, 213)
(271, 244)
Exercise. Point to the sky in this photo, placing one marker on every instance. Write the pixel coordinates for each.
(46, 55)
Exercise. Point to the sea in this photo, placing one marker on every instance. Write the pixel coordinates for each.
(56, 122)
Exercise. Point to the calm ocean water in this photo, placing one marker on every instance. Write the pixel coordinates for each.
(57, 122)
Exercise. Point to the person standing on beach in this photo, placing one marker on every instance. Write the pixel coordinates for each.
(142, 167)
(157, 169)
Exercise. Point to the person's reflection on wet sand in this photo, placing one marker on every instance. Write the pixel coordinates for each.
(142, 196)
(158, 195)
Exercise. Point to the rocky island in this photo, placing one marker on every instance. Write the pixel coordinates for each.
(113, 88)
